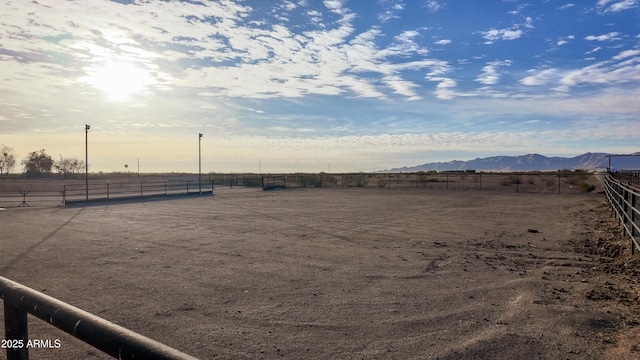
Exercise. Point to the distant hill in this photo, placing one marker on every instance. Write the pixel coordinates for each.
(532, 162)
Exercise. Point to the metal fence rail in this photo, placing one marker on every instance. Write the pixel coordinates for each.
(541, 182)
(28, 198)
(119, 342)
(115, 190)
(624, 201)
(630, 177)
(52, 192)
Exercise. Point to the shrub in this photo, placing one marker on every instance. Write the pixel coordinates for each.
(586, 187)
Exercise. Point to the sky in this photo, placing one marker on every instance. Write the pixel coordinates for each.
(310, 85)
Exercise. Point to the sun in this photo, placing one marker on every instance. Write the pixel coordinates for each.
(118, 80)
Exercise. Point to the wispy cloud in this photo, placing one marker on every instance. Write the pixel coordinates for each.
(391, 9)
(494, 35)
(617, 5)
(565, 40)
(434, 5)
(620, 69)
(489, 75)
(540, 77)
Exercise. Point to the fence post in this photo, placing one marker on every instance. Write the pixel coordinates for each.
(558, 183)
(165, 188)
(16, 331)
(517, 182)
(107, 190)
(634, 233)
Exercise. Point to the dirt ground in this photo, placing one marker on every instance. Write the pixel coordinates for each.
(339, 274)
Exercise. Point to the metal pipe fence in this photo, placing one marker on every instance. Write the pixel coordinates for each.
(560, 182)
(115, 340)
(47, 192)
(42, 193)
(630, 177)
(624, 200)
(75, 193)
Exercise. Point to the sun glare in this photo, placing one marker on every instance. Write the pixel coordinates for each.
(118, 80)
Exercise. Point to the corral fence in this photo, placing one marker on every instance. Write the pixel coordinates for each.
(115, 340)
(560, 182)
(625, 201)
(630, 177)
(52, 192)
(75, 193)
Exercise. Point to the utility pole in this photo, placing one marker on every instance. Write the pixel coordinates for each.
(200, 163)
(86, 160)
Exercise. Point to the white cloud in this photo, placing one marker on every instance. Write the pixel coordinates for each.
(565, 40)
(563, 7)
(501, 34)
(594, 50)
(528, 23)
(391, 9)
(387, 16)
(402, 87)
(540, 77)
(443, 42)
(626, 54)
(605, 37)
(334, 6)
(608, 73)
(434, 5)
(617, 6)
(489, 75)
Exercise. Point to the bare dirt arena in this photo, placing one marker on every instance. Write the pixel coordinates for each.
(339, 274)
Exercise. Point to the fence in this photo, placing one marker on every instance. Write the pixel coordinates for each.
(560, 182)
(119, 342)
(624, 201)
(630, 177)
(53, 192)
(231, 180)
(76, 193)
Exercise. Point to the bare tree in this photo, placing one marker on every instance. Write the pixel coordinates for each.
(7, 160)
(68, 166)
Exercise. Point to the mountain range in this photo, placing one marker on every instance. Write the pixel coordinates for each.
(533, 162)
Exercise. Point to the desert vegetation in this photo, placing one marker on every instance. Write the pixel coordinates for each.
(39, 164)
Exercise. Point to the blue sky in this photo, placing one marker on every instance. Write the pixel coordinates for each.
(333, 85)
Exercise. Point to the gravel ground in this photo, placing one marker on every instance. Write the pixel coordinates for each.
(338, 274)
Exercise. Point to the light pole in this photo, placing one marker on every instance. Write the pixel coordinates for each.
(86, 160)
(200, 163)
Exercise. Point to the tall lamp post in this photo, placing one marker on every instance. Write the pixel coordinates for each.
(86, 160)
(200, 163)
